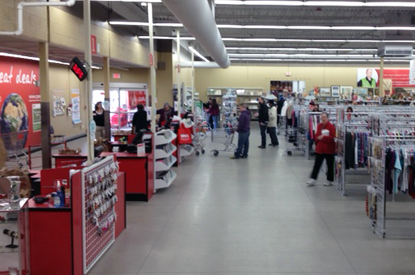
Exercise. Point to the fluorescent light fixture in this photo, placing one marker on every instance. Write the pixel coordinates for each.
(274, 27)
(317, 3)
(37, 59)
(301, 49)
(303, 55)
(288, 40)
(198, 54)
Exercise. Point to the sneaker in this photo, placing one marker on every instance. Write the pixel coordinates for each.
(244, 157)
(328, 183)
(233, 157)
(311, 182)
(261, 147)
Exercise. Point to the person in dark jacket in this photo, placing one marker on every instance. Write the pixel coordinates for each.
(166, 114)
(140, 121)
(263, 121)
(214, 113)
(280, 104)
(325, 149)
(243, 133)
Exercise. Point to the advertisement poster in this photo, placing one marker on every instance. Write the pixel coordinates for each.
(18, 96)
(76, 108)
(369, 77)
(36, 117)
(135, 98)
(58, 102)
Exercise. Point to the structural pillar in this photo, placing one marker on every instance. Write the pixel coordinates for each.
(179, 85)
(193, 83)
(381, 84)
(152, 80)
(106, 68)
(88, 82)
(45, 104)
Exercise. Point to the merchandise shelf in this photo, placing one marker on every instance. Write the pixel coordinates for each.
(165, 180)
(164, 137)
(166, 151)
(186, 150)
(162, 166)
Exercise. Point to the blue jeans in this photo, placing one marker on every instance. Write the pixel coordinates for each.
(243, 145)
(215, 122)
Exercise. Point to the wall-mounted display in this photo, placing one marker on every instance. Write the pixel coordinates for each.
(346, 92)
(335, 91)
(325, 92)
(58, 102)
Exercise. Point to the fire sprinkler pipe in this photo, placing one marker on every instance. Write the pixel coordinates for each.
(197, 18)
(23, 4)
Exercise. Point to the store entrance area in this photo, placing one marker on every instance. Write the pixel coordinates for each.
(252, 216)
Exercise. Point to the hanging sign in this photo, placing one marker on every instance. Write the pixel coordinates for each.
(76, 106)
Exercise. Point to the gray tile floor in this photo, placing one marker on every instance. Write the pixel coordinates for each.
(253, 216)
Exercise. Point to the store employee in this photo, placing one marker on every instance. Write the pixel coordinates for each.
(368, 81)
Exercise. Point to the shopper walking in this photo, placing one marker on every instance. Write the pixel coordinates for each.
(325, 148)
(243, 133)
(272, 124)
(214, 113)
(99, 118)
(263, 121)
(140, 121)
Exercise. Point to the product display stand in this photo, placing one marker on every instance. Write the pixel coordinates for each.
(14, 237)
(164, 159)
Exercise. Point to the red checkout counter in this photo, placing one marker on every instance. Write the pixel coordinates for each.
(139, 171)
(56, 233)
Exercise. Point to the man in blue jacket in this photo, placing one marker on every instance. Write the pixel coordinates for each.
(243, 133)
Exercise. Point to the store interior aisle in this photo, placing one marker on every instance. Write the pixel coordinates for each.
(252, 216)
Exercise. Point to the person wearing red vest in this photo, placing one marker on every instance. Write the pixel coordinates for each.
(325, 149)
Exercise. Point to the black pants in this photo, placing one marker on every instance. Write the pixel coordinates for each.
(263, 135)
(330, 166)
(273, 135)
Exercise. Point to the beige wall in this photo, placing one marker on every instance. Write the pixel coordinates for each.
(260, 76)
(131, 76)
(61, 78)
(34, 20)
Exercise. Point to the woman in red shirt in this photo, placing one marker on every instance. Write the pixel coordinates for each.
(325, 149)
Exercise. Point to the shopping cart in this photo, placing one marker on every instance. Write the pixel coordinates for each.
(225, 137)
(14, 144)
(201, 129)
(297, 137)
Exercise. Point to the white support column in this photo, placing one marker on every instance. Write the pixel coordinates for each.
(153, 84)
(152, 69)
(193, 83)
(381, 84)
(88, 84)
(179, 85)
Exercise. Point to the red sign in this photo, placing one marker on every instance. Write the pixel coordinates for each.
(150, 59)
(93, 44)
(135, 98)
(20, 122)
(116, 76)
(400, 77)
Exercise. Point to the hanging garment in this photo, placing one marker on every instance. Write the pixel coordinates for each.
(349, 153)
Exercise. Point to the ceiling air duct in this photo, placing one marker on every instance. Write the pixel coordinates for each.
(395, 51)
(197, 18)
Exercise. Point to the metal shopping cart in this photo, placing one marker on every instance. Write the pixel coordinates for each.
(201, 129)
(225, 137)
(14, 144)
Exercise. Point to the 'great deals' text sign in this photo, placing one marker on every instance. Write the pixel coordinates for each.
(19, 103)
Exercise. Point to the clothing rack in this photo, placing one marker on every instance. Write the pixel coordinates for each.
(377, 191)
